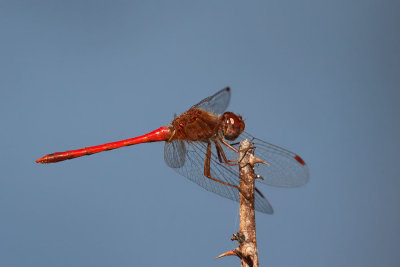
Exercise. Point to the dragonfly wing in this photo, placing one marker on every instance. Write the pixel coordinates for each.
(216, 103)
(193, 168)
(174, 153)
(286, 169)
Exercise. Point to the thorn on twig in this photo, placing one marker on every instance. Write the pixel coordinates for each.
(237, 253)
(228, 253)
(253, 160)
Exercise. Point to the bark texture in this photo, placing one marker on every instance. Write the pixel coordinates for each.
(247, 228)
(246, 237)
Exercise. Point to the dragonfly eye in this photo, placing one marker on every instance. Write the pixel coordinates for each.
(232, 125)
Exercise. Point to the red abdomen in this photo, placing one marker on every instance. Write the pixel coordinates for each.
(161, 134)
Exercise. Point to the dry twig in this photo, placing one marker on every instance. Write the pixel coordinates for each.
(246, 237)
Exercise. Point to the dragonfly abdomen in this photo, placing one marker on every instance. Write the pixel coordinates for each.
(161, 134)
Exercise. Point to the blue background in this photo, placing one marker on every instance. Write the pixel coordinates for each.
(319, 78)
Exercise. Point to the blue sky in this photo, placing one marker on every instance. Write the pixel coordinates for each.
(319, 78)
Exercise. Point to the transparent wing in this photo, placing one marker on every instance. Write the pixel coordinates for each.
(188, 158)
(286, 169)
(175, 153)
(216, 103)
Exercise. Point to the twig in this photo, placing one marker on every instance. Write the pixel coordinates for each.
(246, 237)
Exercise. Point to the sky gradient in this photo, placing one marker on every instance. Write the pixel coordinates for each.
(318, 78)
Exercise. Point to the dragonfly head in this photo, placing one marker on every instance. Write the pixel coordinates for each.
(232, 125)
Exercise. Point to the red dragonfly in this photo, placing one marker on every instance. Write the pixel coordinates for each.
(197, 146)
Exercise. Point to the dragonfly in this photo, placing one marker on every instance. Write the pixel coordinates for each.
(202, 145)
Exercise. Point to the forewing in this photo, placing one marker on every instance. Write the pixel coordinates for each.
(193, 169)
(216, 103)
(285, 169)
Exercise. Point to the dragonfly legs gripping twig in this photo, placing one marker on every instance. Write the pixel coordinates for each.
(207, 170)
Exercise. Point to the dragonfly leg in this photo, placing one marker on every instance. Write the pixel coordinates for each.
(221, 152)
(219, 156)
(231, 147)
(207, 170)
(236, 150)
(226, 143)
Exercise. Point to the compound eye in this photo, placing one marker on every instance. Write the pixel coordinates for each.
(233, 125)
(230, 121)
